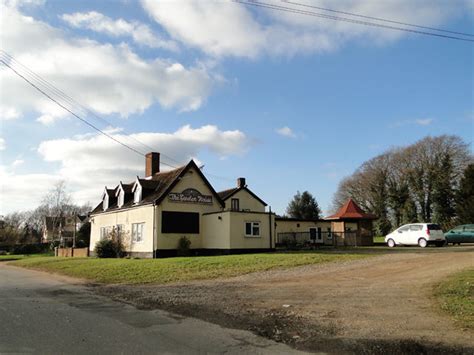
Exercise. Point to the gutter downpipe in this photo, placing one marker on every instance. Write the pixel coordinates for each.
(154, 230)
(270, 225)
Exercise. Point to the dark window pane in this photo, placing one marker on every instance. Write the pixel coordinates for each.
(180, 222)
(248, 228)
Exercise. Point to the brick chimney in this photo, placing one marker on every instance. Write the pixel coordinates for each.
(152, 165)
(241, 182)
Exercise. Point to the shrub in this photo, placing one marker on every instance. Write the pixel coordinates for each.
(183, 246)
(113, 246)
(108, 248)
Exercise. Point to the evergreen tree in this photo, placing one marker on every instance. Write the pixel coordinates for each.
(303, 206)
(443, 193)
(465, 197)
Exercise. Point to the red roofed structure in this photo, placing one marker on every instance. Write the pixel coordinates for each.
(350, 210)
(351, 225)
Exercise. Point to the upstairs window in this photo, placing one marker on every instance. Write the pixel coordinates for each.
(105, 202)
(121, 198)
(137, 197)
(234, 204)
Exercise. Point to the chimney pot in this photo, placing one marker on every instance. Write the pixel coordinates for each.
(241, 182)
(152, 164)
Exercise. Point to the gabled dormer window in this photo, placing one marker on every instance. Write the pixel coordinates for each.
(105, 201)
(121, 198)
(120, 195)
(137, 195)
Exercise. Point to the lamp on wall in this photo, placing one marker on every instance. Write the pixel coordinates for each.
(219, 217)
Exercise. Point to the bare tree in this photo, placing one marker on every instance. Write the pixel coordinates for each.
(403, 185)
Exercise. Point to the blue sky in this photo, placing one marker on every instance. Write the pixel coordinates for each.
(288, 101)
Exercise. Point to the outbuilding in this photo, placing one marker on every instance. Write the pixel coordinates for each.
(349, 226)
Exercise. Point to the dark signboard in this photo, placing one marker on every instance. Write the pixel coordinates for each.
(190, 196)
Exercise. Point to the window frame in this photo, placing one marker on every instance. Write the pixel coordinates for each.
(234, 201)
(253, 225)
(135, 234)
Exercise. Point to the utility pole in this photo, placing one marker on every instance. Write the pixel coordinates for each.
(74, 231)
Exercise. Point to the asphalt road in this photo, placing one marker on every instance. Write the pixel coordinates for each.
(45, 314)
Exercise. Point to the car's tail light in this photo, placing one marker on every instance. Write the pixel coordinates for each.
(427, 231)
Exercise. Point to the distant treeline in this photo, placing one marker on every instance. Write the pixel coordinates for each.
(424, 182)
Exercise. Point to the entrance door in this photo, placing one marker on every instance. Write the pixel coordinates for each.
(319, 236)
(316, 235)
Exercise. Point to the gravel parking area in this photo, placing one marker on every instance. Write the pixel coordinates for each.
(375, 305)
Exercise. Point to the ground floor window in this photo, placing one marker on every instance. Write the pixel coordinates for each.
(252, 229)
(329, 233)
(119, 230)
(104, 232)
(138, 230)
(180, 222)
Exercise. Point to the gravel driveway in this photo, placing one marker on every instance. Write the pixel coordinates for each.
(376, 305)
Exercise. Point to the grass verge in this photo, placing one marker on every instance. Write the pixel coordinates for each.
(135, 271)
(23, 256)
(456, 297)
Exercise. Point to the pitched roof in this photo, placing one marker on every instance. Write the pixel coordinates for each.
(225, 194)
(350, 210)
(156, 188)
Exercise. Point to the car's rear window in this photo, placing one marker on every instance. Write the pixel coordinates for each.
(434, 227)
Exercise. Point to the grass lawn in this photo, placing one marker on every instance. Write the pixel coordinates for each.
(135, 271)
(23, 256)
(456, 296)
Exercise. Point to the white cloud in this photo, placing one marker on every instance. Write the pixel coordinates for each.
(139, 32)
(9, 113)
(224, 28)
(424, 121)
(17, 162)
(286, 132)
(417, 122)
(88, 163)
(3, 146)
(109, 79)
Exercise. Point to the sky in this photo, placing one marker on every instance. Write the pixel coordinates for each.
(289, 101)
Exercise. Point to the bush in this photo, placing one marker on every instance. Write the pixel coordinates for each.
(29, 249)
(184, 246)
(108, 248)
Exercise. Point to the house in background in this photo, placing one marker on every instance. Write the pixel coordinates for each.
(61, 229)
(349, 226)
(154, 212)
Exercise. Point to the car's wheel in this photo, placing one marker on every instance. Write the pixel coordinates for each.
(422, 243)
(391, 243)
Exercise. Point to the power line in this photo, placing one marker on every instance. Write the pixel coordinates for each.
(69, 100)
(344, 19)
(377, 18)
(71, 112)
(74, 102)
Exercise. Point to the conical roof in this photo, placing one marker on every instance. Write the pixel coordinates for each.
(350, 210)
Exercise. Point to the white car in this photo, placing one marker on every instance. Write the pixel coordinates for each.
(420, 234)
